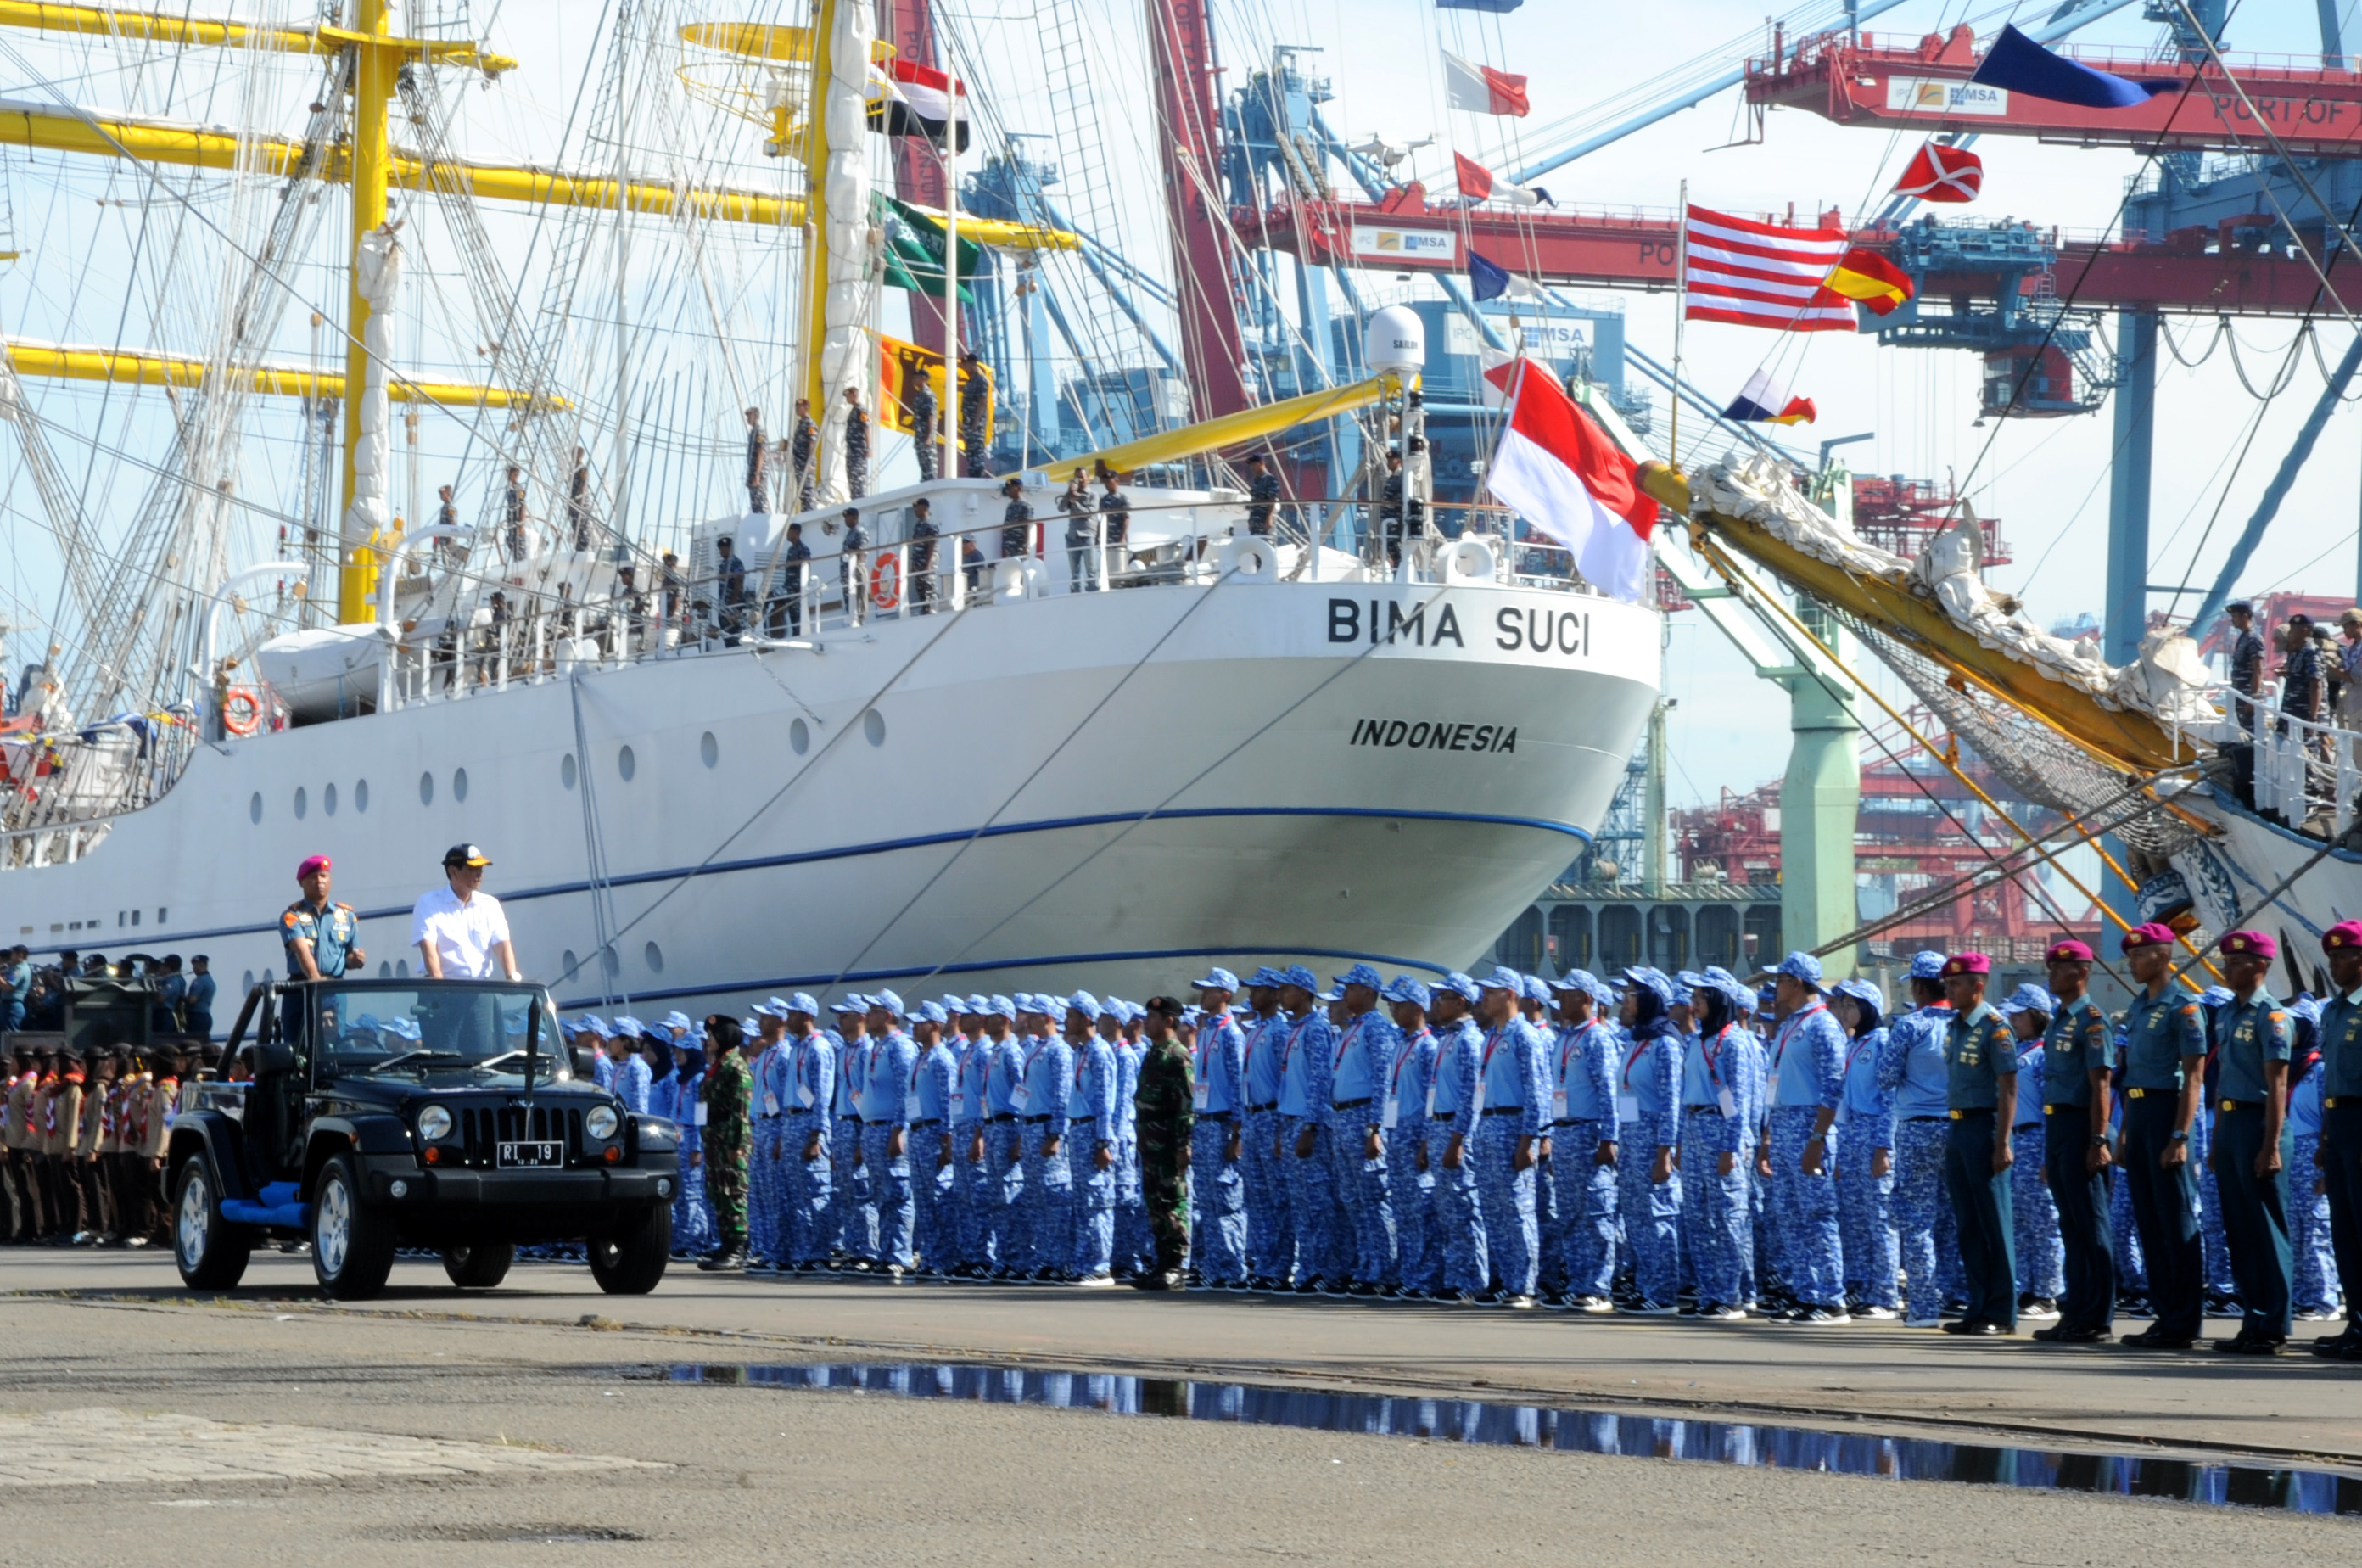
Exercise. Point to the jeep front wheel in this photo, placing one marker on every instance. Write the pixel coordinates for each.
(631, 1260)
(479, 1265)
(352, 1242)
(211, 1251)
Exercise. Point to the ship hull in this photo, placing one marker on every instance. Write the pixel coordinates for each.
(1111, 789)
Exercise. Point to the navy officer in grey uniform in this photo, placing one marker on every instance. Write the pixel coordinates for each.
(2078, 1056)
(2340, 1151)
(1980, 1095)
(2164, 1063)
(2252, 1142)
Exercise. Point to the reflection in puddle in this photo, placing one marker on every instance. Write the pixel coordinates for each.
(1578, 1431)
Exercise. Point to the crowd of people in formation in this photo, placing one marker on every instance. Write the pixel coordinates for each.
(85, 1140)
(1667, 1144)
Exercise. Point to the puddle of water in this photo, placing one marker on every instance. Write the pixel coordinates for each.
(1743, 1443)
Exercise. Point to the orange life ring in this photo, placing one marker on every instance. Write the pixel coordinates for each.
(886, 580)
(241, 711)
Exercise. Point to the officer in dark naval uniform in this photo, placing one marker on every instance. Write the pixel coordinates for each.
(322, 937)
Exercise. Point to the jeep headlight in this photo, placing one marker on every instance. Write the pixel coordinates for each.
(601, 1122)
(434, 1124)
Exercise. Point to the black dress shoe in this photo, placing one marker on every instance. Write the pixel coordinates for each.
(1963, 1325)
(2251, 1344)
(2149, 1339)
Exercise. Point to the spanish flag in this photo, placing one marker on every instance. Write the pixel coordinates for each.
(1872, 279)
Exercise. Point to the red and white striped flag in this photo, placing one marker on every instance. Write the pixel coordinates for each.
(1481, 89)
(1567, 479)
(1760, 274)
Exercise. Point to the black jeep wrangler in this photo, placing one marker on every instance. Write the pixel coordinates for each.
(438, 1114)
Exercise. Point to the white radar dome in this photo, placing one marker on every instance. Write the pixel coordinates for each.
(1395, 340)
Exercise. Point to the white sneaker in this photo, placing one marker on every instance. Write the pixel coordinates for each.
(1096, 1282)
(1876, 1314)
(1649, 1309)
(1592, 1304)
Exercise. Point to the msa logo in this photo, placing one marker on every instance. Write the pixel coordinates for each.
(1930, 96)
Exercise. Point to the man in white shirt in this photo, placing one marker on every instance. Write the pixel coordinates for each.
(459, 930)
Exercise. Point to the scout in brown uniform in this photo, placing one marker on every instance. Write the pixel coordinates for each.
(61, 1119)
(163, 1096)
(124, 1166)
(19, 1214)
(25, 1143)
(90, 1139)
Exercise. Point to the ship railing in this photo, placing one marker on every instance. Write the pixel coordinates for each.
(794, 604)
(2304, 769)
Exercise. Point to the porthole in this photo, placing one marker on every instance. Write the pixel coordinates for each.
(360, 795)
(655, 955)
(459, 784)
(709, 750)
(566, 771)
(626, 764)
(247, 984)
(566, 964)
(384, 971)
(400, 970)
(302, 801)
(328, 800)
(873, 727)
(800, 736)
(426, 789)
(254, 808)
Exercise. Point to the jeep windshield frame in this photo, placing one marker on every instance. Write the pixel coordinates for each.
(486, 1033)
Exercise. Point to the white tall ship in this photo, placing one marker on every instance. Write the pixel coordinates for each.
(1200, 744)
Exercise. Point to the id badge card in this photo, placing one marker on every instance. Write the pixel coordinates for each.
(959, 1104)
(770, 1103)
(1393, 1112)
(698, 1121)
(1628, 1108)
(1020, 1098)
(1558, 1106)
(911, 1106)
(1431, 1095)
(1729, 1101)
(1201, 1094)
(1771, 1091)
(803, 1097)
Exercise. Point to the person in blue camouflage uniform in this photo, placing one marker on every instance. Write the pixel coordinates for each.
(1866, 1156)
(883, 1102)
(933, 1144)
(767, 1172)
(1271, 1229)
(2340, 1157)
(628, 1078)
(692, 1216)
(1981, 1092)
(1004, 1140)
(2076, 1091)
(1361, 1064)
(1584, 1138)
(1418, 1265)
(1713, 1148)
(1135, 1248)
(2041, 1257)
(1046, 1088)
(1911, 1068)
(1217, 1212)
(972, 1253)
(1750, 1070)
(812, 1091)
(2164, 1060)
(1096, 1142)
(1538, 1005)
(1306, 1065)
(1508, 1136)
(1451, 1106)
(2316, 1279)
(2252, 1147)
(1648, 1108)
(851, 1216)
(1807, 1078)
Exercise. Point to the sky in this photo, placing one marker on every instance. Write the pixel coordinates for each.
(2045, 479)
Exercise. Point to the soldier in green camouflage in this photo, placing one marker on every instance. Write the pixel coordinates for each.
(726, 1095)
(1165, 1110)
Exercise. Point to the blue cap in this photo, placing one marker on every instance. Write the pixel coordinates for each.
(587, 1024)
(1298, 975)
(2307, 1007)
(2216, 996)
(1684, 993)
(629, 1026)
(889, 1001)
(748, 1027)
(978, 1005)
(1802, 967)
(933, 1012)
(2029, 998)
(1332, 995)
(1654, 981)
(1002, 1007)
(1588, 984)
(1503, 978)
(1217, 980)
(1537, 990)
(851, 1002)
(1862, 990)
(1767, 996)
(403, 1028)
(1460, 986)
(802, 1002)
(1084, 1003)
(677, 1020)
(1927, 966)
(1265, 975)
(1361, 975)
(953, 1005)
(1402, 988)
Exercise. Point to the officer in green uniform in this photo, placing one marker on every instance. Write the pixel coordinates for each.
(2164, 1062)
(727, 1092)
(1164, 1117)
(1981, 1098)
(2252, 1142)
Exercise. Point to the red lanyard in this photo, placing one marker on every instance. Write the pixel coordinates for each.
(1788, 1028)
(1633, 1060)
(1491, 1041)
(1410, 1049)
(1345, 1042)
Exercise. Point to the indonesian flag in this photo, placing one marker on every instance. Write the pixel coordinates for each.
(1567, 479)
(916, 100)
(1481, 89)
(1940, 174)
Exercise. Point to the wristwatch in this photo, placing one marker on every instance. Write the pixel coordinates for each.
(2098, 1141)
(2180, 1137)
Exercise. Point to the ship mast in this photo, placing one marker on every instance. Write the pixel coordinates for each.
(374, 70)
